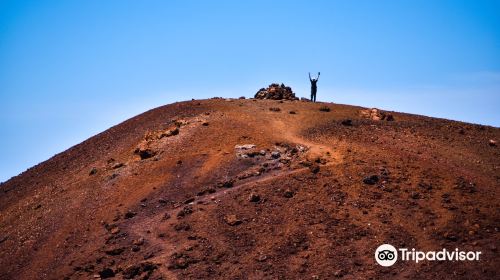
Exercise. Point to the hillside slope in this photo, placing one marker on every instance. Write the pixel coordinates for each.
(229, 189)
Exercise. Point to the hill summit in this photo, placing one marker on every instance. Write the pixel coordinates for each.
(257, 189)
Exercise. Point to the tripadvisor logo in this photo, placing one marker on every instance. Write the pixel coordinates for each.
(387, 255)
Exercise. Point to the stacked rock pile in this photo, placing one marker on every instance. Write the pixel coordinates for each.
(276, 92)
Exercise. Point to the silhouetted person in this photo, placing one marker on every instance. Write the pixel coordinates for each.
(314, 87)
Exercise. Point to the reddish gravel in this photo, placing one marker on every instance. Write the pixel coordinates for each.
(314, 197)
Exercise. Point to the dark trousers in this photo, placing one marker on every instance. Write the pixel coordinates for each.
(313, 95)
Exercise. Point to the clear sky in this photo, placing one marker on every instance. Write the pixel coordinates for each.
(71, 69)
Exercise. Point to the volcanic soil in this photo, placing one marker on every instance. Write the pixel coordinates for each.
(257, 189)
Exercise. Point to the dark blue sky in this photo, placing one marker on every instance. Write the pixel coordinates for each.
(71, 69)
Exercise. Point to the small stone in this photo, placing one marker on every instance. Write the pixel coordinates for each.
(179, 263)
(115, 230)
(244, 147)
(205, 123)
(492, 143)
(106, 273)
(262, 258)
(226, 184)
(288, 193)
(415, 195)
(371, 180)
(139, 241)
(115, 251)
(118, 165)
(130, 214)
(338, 273)
(185, 211)
(131, 271)
(232, 220)
(450, 236)
(314, 168)
(346, 122)
(93, 171)
(165, 217)
(292, 112)
(254, 197)
(145, 153)
(275, 154)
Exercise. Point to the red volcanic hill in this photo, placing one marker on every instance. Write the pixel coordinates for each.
(257, 189)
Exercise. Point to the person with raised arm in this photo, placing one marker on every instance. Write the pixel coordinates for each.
(314, 87)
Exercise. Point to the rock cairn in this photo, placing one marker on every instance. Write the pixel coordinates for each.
(276, 92)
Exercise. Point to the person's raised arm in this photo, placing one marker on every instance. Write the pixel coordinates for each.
(318, 76)
(310, 77)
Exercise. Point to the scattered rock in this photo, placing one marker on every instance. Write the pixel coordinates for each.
(288, 193)
(305, 99)
(204, 123)
(133, 271)
(346, 122)
(292, 112)
(275, 154)
(144, 152)
(314, 168)
(115, 251)
(225, 184)
(180, 122)
(254, 198)
(415, 195)
(185, 211)
(159, 134)
(274, 109)
(371, 180)
(115, 230)
(492, 143)
(93, 171)
(179, 261)
(261, 258)
(339, 273)
(118, 165)
(189, 200)
(139, 241)
(376, 115)
(182, 226)
(450, 236)
(106, 273)
(130, 214)
(165, 217)
(324, 109)
(244, 147)
(232, 220)
(276, 92)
